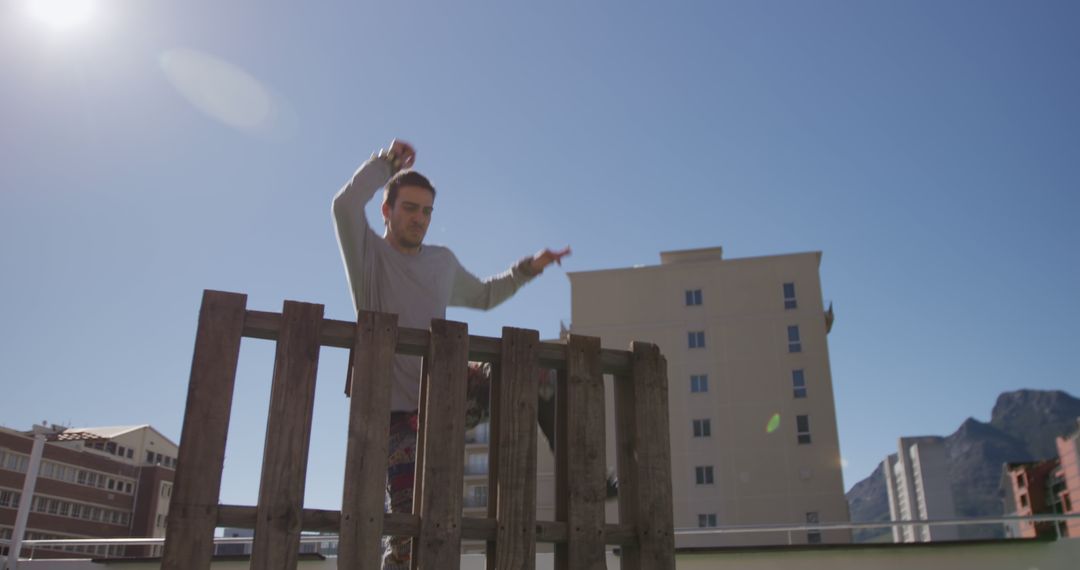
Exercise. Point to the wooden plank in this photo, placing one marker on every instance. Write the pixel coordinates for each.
(414, 342)
(442, 473)
(583, 488)
(193, 514)
(515, 490)
(562, 456)
(401, 524)
(493, 459)
(288, 435)
(641, 410)
(362, 503)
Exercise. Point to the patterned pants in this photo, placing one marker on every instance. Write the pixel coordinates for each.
(402, 461)
(400, 471)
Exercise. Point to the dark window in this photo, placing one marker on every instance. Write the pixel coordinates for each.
(696, 339)
(704, 475)
(794, 343)
(789, 296)
(702, 428)
(802, 429)
(1023, 500)
(693, 297)
(699, 383)
(798, 383)
(813, 536)
(706, 520)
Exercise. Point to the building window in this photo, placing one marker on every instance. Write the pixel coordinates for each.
(706, 520)
(1066, 502)
(704, 475)
(9, 499)
(789, 296)
(813, 536)
(1021, 481)
(793, 342)
(798, 383)
(16, 463)
(696, 339)
(1023, 500)
(149, 456)
(693, 297)
(802, 429)
(130, 453)
(699, 383)
(702, 428)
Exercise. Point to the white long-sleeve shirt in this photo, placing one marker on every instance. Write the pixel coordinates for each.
(417, 287)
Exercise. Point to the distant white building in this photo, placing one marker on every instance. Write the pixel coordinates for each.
(918, 485)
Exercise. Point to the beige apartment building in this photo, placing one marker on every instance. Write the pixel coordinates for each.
(753, 421)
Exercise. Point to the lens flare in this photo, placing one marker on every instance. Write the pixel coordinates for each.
(62, 15)
(218, 88)
(774, 424)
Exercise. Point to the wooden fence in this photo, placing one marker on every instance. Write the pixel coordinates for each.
(645, 529)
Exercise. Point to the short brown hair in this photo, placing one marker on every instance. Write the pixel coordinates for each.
(406, 178)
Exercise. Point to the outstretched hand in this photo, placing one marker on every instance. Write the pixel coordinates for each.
(545, 258)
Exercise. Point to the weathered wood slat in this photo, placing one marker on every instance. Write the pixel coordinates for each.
(400, 524)
(493, 460)
(442, 469)
(193, 514)
(414, 342)
(288, 435)
(515, 490)
(583, 486)
(645, 458)
(366, 455)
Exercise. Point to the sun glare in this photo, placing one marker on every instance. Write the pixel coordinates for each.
(62, 15)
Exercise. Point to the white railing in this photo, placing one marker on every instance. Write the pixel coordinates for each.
(735, 529)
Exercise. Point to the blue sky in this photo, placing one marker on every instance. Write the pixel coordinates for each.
(931, 150)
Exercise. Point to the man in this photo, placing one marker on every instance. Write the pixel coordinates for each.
(398, 273)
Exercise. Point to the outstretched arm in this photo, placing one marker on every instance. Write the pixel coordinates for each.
(546, 257)
(469, 291)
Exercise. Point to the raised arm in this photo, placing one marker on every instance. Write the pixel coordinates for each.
(354, 233)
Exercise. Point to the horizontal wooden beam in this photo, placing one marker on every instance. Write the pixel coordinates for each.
(267, 325)
(398, 524)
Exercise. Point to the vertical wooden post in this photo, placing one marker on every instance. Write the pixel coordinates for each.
(644, 456)
(441, 470)
(515, 487)
(369, 423)
(581, 485)
(493, 459)
(193, 511)
(288, 434)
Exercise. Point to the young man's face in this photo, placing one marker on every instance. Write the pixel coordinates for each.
(407, 220)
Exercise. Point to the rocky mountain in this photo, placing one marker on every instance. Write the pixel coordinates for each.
(1022, 427)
